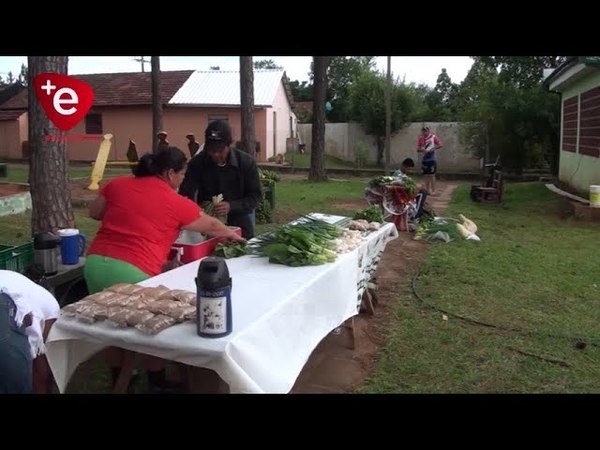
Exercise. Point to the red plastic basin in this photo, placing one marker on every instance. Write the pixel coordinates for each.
(192, 249)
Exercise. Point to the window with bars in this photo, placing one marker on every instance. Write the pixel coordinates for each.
(589, 123)
(213, 117)
(570, 118)
(93, 123)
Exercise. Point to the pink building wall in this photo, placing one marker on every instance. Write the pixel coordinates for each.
(10, 143)
(134, 122)
(278, 118)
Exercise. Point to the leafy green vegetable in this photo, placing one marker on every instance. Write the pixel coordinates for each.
(411, 186)
(307, 242)
(231, 249)
(371, 214)
(268, 177)
(428, 227)
(381, 180)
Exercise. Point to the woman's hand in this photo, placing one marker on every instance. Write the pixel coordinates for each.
(171, 264)
(233, 236)
(209, 225)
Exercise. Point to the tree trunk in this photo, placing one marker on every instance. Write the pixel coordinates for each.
(317, 154)
(157, 113)
(247, 103)
(380, 141)
(49, 181)
(388, 116)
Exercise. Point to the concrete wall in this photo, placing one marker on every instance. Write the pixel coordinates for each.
(15, 204)
(342, 140)
(578, 170)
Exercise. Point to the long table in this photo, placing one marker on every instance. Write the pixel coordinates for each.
(280, 314)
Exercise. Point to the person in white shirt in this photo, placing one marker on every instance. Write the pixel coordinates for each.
(27, 311)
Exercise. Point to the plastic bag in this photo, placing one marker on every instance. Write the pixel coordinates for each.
(156, 324)
(125, 288)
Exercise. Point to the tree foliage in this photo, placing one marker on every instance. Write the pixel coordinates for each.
(301, 91)
(342, 72)
(266, 64)
(503, 105)
(10, 78)
(367, 106)
(441, 100)
(523, 71)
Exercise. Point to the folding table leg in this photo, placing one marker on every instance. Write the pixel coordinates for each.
(350, 324)
(126, 372)
(368, 301)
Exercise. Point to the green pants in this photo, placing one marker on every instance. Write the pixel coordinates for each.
(101, 272)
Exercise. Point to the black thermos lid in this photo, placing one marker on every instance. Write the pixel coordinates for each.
(213, 273)
(46, 240)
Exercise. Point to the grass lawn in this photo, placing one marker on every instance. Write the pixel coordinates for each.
(303, 161)
(293, 198)
(19, 173)
(533, 271)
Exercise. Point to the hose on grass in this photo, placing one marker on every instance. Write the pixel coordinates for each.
(579, 342)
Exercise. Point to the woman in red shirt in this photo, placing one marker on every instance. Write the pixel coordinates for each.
(141, 218)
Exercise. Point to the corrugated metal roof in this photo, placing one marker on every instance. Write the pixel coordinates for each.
(222, 88)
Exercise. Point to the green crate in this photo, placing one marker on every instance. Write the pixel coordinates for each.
(16, 257)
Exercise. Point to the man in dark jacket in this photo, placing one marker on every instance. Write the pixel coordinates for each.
(219, 169)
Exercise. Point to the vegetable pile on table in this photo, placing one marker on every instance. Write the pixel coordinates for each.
(306, 242)
(371, 214)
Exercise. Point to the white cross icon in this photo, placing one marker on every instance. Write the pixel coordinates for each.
(48, 87)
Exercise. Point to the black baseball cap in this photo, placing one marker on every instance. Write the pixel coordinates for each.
(217, 135)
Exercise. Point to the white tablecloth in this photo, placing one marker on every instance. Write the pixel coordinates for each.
(280, 314)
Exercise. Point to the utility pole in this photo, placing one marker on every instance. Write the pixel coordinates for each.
(157, 112)
(142, 60)
(388, 115)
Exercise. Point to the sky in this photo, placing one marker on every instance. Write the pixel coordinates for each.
(417, 69)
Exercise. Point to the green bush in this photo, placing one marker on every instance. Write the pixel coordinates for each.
(361, 154)
(264, 213)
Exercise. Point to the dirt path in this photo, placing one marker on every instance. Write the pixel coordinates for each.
(334, 367)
